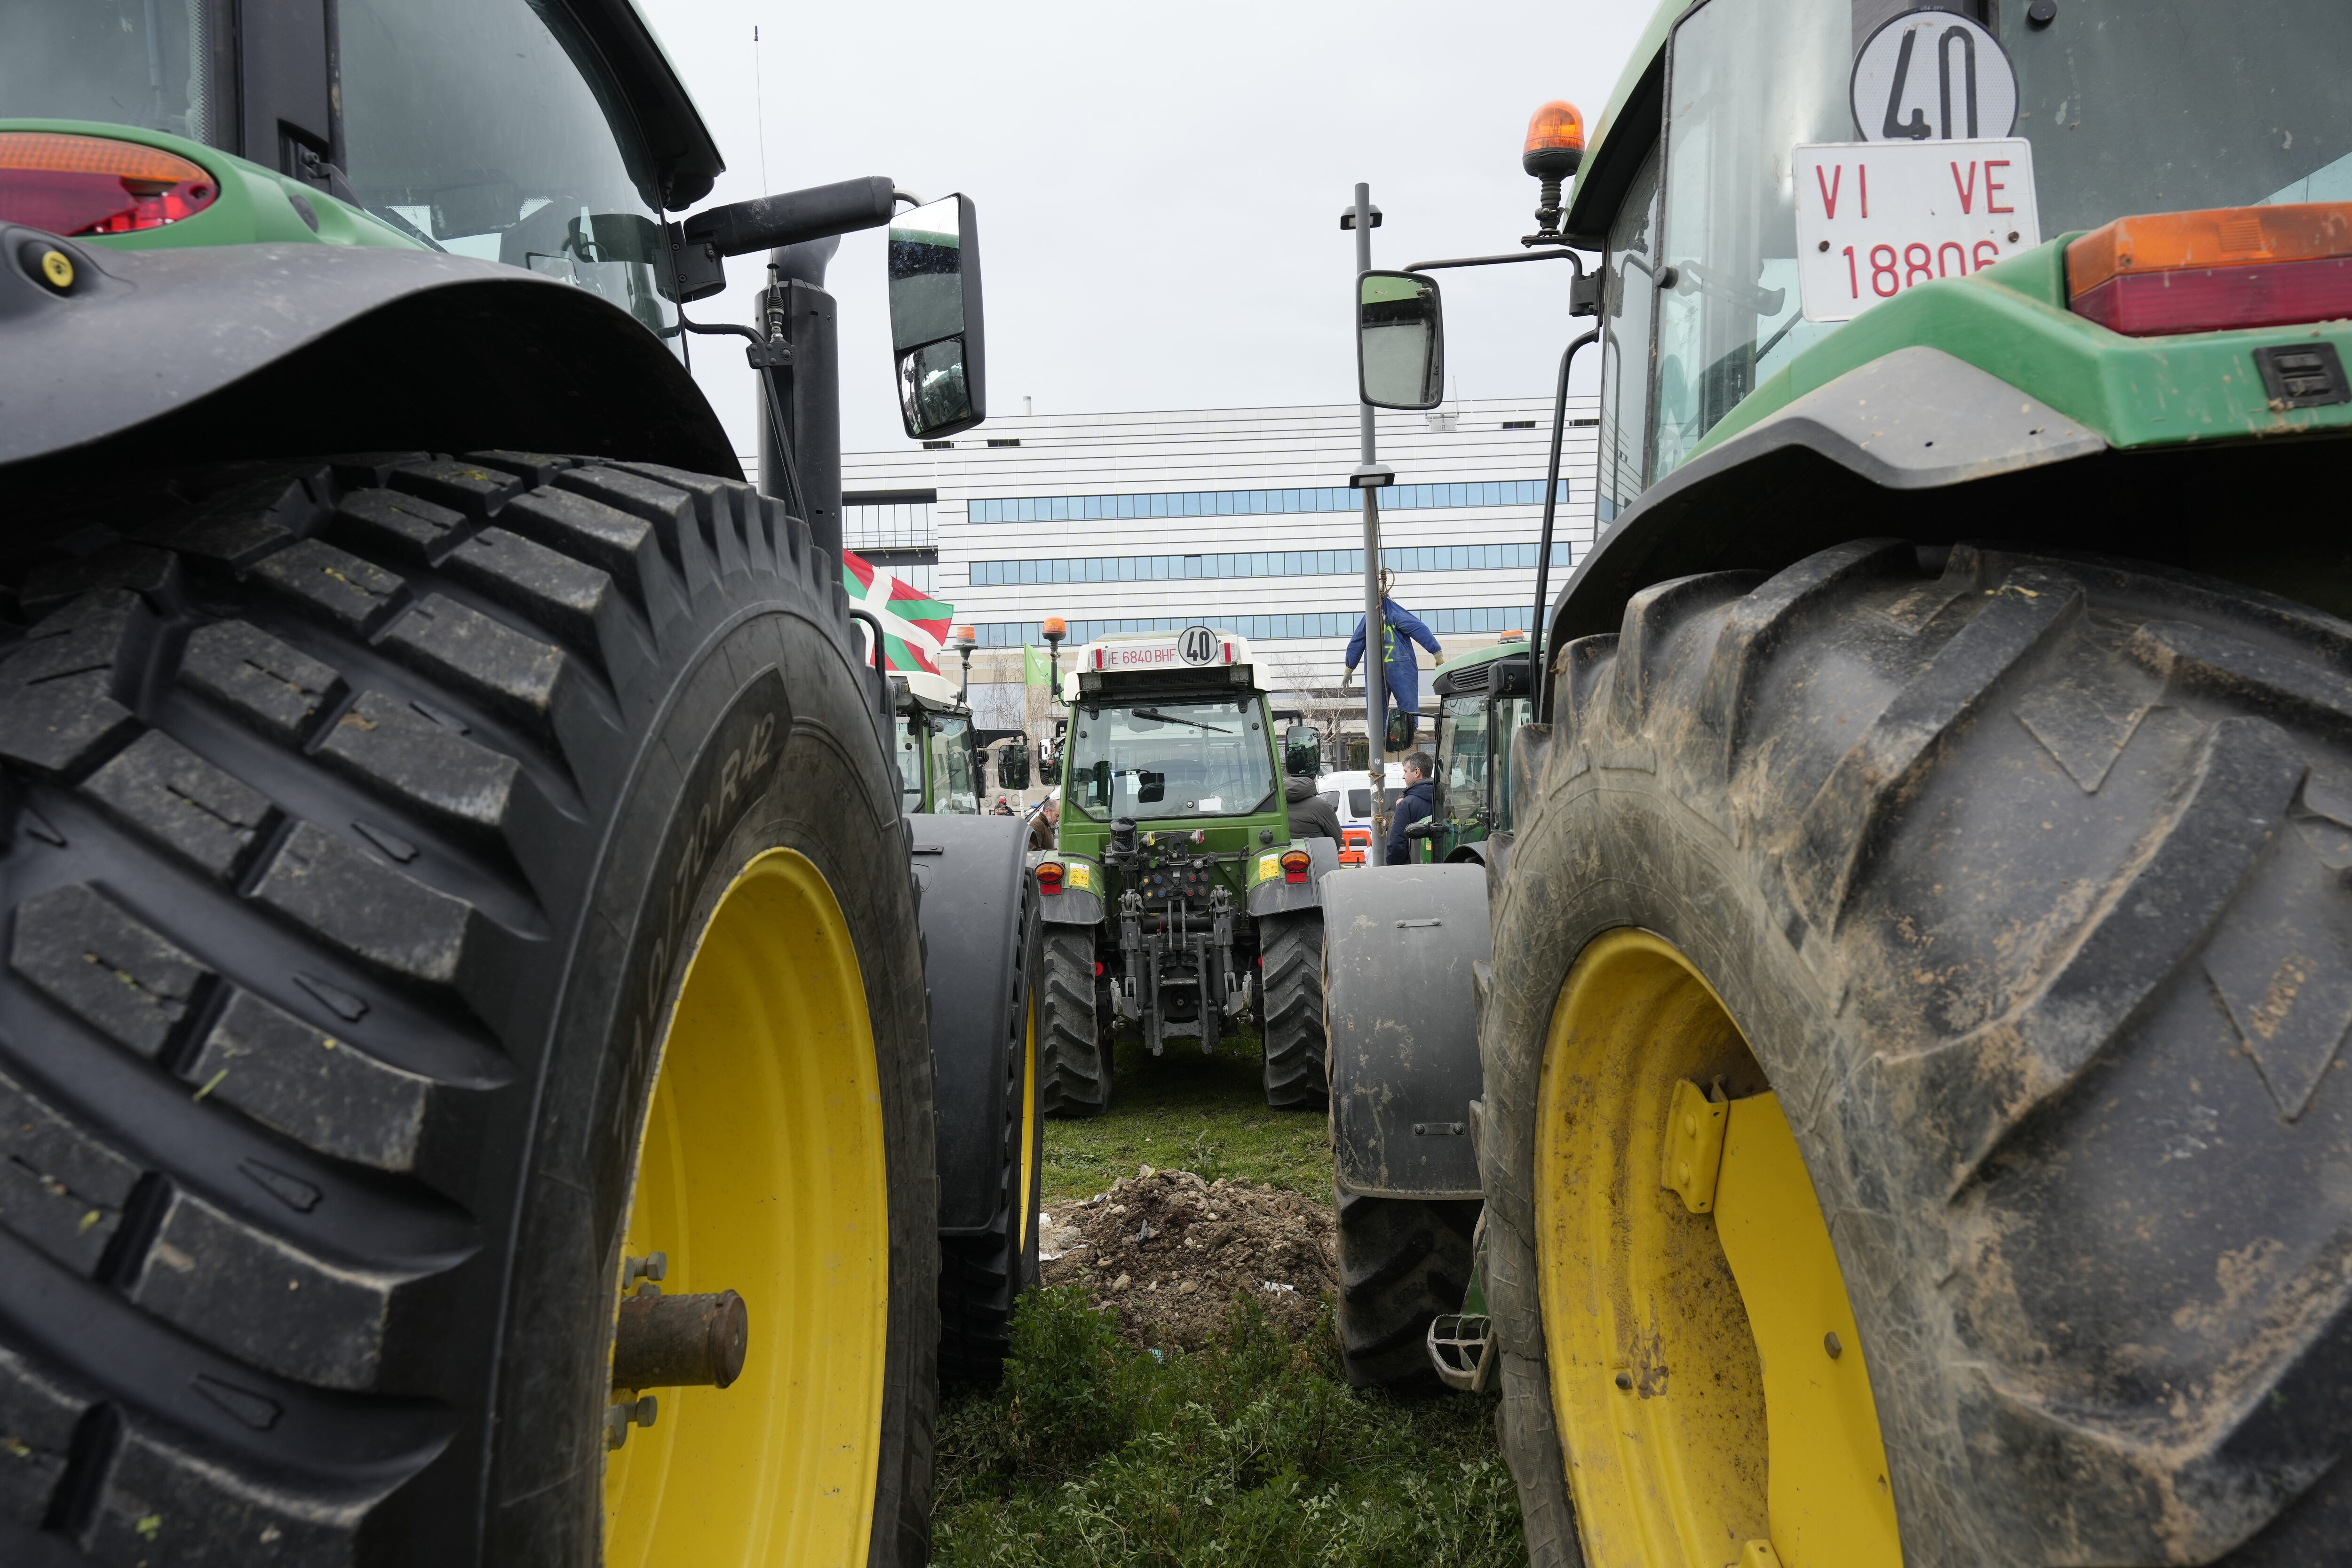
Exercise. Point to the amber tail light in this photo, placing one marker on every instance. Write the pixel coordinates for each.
(2215, 270)
(1049, 877)
(1294, 865)
(94, 184)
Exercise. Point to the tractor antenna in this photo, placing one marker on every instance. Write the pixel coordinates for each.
(760, 110)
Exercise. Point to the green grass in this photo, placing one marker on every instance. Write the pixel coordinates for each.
(1252, 1450)
(1095, 1454)
(1182, 1110)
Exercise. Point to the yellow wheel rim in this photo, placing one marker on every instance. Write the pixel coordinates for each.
(1708, 1416)
(760, 1171)
(1026, 1194)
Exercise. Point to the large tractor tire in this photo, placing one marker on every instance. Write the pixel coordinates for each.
(1074, 1039)
(1915, 1126)
(1403, 1262)
(984, 1270)
(444, 897)
(1290, 951)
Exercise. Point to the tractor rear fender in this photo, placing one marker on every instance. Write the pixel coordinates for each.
(161, 357)
(1080, 901)
(1272, 893)
(1922, 446)
(975, 962)
(1399, 943)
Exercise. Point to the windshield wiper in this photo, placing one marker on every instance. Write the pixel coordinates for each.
(1176, 718)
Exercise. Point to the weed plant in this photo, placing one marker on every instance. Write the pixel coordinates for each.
(1252, 1450)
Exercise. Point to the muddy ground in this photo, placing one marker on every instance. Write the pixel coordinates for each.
(1168, 1250)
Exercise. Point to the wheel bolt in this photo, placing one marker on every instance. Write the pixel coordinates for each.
(619, 1417)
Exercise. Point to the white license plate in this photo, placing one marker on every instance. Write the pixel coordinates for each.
(1875, 218)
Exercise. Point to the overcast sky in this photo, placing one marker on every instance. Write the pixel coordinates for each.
(1159, 191)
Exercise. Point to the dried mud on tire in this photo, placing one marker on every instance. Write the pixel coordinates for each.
(1168, 1252)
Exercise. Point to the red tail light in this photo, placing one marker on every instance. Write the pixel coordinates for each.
(1049, 877)
(2214, 270)
(1294, 865)
(93, 184)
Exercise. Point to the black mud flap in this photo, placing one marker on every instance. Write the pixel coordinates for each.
(971, 873)
(1399, 942)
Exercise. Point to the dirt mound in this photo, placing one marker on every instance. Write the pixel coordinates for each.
(1169, 1250)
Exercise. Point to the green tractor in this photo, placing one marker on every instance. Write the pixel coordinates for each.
(1899, 1090)
(468, 1074)
(1175, 901)
(1483, 698)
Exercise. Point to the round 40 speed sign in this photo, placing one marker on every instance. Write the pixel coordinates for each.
(1932, 75)
(1198, 645)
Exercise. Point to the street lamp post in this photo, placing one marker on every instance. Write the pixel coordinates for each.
(1052, 628)
(1371, 475)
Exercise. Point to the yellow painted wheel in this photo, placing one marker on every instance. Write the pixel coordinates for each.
(1709, 1382)
(762, 1171)
(1031, 1146)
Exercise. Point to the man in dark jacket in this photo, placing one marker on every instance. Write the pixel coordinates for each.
(1311, 816)
(1414, 805)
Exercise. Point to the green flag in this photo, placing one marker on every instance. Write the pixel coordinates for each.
(1034, 669)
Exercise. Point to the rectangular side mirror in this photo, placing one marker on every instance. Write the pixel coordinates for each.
(1149, 787)
(1012, 766)
(1400, 341)
(1302, 747)
(935, 318)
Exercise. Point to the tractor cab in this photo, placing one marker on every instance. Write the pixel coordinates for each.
(939, 767)
(1483, 699)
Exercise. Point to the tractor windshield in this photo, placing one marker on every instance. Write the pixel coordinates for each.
(1172, 759)
(479, 127)
(2132, 106)
(1460, 783)
(952, 765)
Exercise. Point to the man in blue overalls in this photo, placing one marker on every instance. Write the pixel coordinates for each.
(1400, 629)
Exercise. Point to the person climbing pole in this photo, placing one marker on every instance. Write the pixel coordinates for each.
(1400, 629)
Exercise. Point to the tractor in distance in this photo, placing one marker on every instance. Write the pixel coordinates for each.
(1175, 901)
(1483, 698)
(469, 1079)
(1904, 1071)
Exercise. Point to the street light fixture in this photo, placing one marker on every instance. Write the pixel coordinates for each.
(963, 639)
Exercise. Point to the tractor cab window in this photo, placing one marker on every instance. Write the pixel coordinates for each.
(479, 127)
(911, 765)
(1510, 712)
(2132, 106)
(952, 765)
(150, 65)
(1460, 783)
(1628, 288)
(1172, 759)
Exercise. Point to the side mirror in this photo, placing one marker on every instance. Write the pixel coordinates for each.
(1013, 767)
(1400, 341)
(1302, 743)
(935, 318)
(1149, 787)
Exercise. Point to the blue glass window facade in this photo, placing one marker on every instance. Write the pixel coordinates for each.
(1256, 503)
(1257, 628)
(1259, 564)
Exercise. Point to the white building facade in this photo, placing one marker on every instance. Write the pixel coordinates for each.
(1240, 519)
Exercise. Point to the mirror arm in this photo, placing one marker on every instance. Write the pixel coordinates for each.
(1571, 257)
(764, 223)
(1538, 657)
